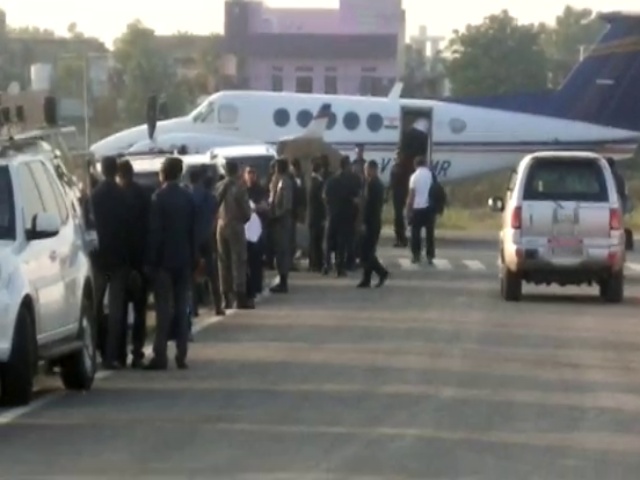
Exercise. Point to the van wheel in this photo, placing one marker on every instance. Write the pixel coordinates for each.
(78, 369)
(510, 285)
(612, 289)
(16, 375)
(628, 240)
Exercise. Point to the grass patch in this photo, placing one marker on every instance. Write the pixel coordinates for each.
(468, 210)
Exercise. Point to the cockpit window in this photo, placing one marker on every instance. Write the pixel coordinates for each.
(204, 113)
(227, 114)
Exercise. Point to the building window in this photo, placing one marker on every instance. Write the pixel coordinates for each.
(351, 121)
(304, 118)
(366, 85)
(304, 84)
(277, 85)
(331, 84)
(331, 69)
(368, 69)
(281, 117)
(375, 122)
(304, 69)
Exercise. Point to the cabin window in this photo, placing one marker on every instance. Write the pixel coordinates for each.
(281, 117)
(331, 121)
(228, 114)
(351, 121)
(375, 122)
(304, 118)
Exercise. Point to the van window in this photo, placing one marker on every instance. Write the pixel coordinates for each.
(578, 180)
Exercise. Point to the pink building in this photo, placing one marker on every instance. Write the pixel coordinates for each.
(356, 49)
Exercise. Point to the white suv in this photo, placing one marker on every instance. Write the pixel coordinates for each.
(46, 292)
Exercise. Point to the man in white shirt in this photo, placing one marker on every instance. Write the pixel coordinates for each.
(420, 213)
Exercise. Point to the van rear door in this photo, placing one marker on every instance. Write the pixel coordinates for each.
(566, 199)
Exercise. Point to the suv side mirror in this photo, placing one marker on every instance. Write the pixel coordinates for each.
(43, 225)
(496, 204)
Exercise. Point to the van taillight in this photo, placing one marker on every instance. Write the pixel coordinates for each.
(516, 218)
(615, 219)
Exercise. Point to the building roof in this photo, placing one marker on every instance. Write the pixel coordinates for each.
(314, 46)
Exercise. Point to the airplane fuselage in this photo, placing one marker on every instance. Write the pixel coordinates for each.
(467, 141)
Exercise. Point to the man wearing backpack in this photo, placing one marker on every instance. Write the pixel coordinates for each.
(424, 202)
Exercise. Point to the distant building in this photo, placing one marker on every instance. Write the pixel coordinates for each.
(357, 49)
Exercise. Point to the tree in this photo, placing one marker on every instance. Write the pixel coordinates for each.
(495, 57)
(145, 70)
(32, 32)
(574, 30)
(209, 58)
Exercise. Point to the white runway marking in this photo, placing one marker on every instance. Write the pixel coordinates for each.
(474, 265)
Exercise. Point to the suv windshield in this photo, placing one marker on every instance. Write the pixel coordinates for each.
(7, 210)
(561, 179)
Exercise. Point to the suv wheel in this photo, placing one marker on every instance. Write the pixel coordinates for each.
(16, 375)
(78, 369)
(510, 285)
(612, 289)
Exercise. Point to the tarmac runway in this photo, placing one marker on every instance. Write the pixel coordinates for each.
(431, 377)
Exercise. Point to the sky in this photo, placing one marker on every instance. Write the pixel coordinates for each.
(107, 19)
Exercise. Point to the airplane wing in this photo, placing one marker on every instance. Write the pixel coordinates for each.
(396, 91)
(318, 125)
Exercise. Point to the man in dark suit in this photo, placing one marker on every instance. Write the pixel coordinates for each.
(137, 288)
(372, 223)
(171, 261)
(317, 218)
(113, 225)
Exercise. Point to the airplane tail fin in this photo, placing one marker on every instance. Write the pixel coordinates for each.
(396, 91)
(603, 87)
(318, 125)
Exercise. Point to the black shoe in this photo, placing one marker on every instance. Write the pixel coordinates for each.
(111, 366)
(279, 288)
(155, 364)
(245, 303)
(430, 261)
(382, 278)
(415, 259)
(181, 364)
(341, 274)
(325, 271)
(137, 363)
(364, 284)
(220, 312)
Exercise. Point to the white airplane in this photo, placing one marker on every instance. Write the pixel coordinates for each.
(466, 141)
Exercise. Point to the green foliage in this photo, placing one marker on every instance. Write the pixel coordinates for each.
(497, 56)
(574, 29)
(145, 68)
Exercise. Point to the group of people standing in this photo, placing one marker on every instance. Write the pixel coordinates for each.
(167, 242)
(345, 218)
(222, 234)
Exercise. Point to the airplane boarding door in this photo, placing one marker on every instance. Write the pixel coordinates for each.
(417, 134)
